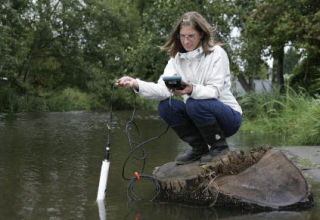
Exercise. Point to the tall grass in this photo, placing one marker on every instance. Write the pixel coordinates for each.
(294, 116)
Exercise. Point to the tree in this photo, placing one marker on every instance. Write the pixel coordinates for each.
(275, 23)
(51, 45)
(247, 50)
(291, 60)
(14, 35)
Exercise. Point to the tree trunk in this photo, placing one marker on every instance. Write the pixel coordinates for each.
(26, 74)
(280, 59)
(263, 179)
(245, 85)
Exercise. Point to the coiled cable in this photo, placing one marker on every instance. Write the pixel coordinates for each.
(134, 147)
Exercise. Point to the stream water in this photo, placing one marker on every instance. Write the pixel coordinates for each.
(50, 166)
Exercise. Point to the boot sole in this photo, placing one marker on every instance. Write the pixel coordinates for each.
(213, 157)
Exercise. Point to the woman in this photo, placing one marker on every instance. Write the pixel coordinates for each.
(209, 112)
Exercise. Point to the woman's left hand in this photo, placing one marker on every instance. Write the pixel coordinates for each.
(188, 90)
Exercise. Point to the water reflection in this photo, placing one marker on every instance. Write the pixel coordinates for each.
(143, 210)
(102, 210)
(50, 167)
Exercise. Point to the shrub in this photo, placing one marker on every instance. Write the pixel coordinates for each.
(69, 99)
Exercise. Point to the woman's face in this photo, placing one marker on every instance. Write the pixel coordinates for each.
(189, 38)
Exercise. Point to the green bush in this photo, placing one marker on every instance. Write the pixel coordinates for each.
(8, 99)
(69, 99)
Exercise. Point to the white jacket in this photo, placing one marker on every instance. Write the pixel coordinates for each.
(209, 75)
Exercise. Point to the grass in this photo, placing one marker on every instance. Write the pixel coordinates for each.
(293, 116)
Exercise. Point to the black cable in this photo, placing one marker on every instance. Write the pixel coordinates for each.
(130, 192)
(132, 195)
(128, 125)
(139, 146)
(109, 124)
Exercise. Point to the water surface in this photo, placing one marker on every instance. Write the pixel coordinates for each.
(50, 166)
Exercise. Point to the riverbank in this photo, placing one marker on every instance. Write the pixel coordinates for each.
(293, 116)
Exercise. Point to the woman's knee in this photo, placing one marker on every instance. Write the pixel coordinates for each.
(172, 111)
(163, 107)
(200, 105)
(192, 106)
(231, 126)
(195, 110)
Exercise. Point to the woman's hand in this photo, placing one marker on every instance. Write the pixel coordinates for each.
(188, 90)
(127, 82)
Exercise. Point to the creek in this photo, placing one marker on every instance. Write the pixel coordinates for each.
(50, 166)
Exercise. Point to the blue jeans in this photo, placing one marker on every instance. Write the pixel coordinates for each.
(200, 112)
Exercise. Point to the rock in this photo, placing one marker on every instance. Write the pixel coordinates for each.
(261, 179)
(306, 158)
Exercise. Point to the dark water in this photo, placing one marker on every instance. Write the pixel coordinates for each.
(50, 166)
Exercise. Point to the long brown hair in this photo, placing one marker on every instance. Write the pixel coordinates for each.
(198, 22)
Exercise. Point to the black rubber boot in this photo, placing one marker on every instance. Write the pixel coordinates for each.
(190, 134)
(214, 137)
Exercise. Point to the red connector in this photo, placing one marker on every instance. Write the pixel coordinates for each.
(137, 175)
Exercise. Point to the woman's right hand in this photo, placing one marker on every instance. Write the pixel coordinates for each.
(127, 82)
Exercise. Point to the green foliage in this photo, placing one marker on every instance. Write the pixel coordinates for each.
(8, 99)
(293, 116)
(11, 101)
(310, 125)
(50, 46)
(257, 103)
(291, 60)
(140, 63)
(69, 99)
(65, 100)
(307, 75)
(273, 24)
